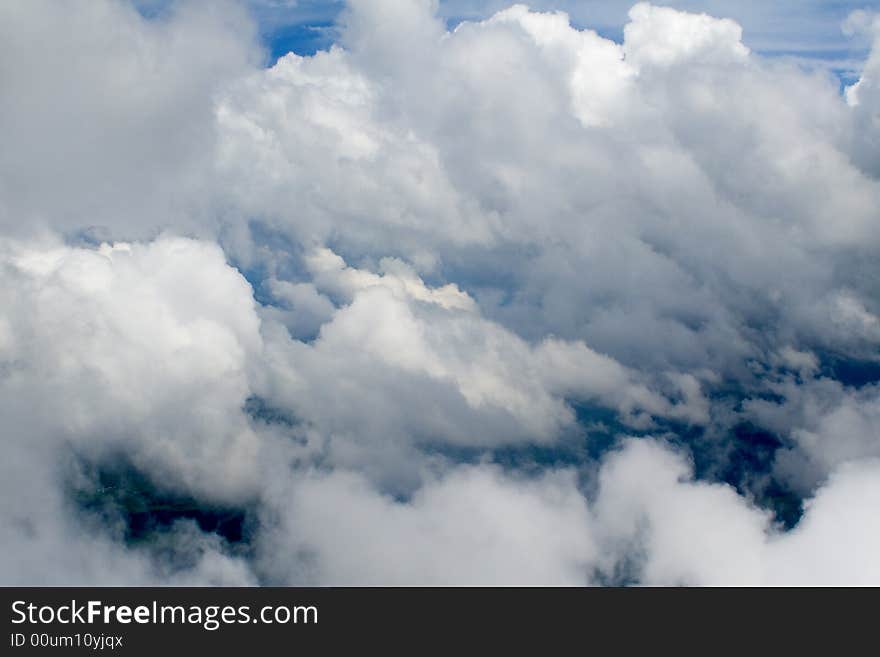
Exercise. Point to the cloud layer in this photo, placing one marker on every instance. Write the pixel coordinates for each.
(508, 304)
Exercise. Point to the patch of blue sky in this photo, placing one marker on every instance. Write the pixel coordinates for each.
(299, 26)
(805, 31)
(302, 39)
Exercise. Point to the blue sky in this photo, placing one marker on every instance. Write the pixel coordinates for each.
(807, 29)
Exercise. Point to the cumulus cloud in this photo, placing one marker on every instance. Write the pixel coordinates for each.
(107, 116)
(622, 163)
(134, 351)
(421, 365)
(508, 302)
(142, 348)
(864, 94)
(673, 530)
(466, 528)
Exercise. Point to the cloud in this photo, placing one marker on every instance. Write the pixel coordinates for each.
(138, 351)
(672, 530)
(466, 528)
(661, 36)
(511, 302)
(107, 115)
(142, 348)
(421, 366)
(864, 94)
(383, 151)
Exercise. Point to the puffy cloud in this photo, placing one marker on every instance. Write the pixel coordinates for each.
(864, 95)
(650, 523)
(298, 147)
(106, 115)
(474, 526)
(142, 348)
(834, 542)
(598, 77)
(661, 36)
(421, 365)
(132, 351)
(676, 531)
(514, 237)
(664, 528)
(524, 145)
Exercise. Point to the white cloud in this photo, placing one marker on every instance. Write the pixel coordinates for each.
(661, 36)
(673, 530)
(107, 116)
(677, 199)
(457, 238)
(651, 523)
(864, 95)
(139, 348)
(404, 363)
(132, 350)
(474, 526)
